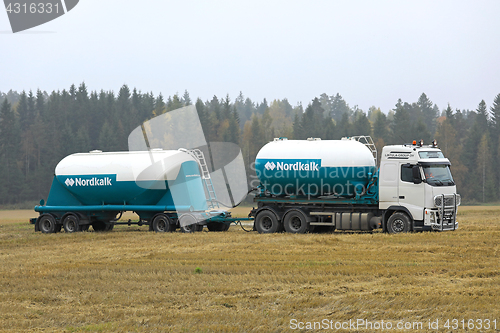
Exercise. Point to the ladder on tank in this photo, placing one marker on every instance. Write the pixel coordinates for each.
(368, 142)
(205, 176)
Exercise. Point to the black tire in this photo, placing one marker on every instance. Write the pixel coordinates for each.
(71, 223)
(109, 227)
(398, 223)
(162, 223)
(99, 226)
(295, 222)
(47, 224)
(217, 226)
(188, 224)
(266, 222)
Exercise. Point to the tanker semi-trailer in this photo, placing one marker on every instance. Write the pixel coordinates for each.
(165, 188)
(334, 184)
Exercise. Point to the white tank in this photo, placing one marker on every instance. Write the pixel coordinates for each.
(127, 166)
(137, 177)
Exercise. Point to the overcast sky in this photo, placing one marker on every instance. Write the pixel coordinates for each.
(371, 52)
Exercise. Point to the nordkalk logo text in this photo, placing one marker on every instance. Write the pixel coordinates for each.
(106, 181)
(297, 166)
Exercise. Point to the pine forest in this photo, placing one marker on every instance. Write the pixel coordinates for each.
(38, 129)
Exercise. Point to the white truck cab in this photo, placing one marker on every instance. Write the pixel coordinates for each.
(415, 180)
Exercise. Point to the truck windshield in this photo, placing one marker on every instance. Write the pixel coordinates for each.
(438, 174)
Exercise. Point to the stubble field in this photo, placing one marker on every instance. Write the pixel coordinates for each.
(132, 280)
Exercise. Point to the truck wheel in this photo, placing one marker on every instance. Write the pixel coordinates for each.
(109, 227)
(47, 224)
(99, 226)
(71, 223)
(266, 222)
(398, 223)
(189, 224)
(295, 222)
(161, 223)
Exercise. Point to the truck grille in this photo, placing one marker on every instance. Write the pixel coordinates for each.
(449, 200)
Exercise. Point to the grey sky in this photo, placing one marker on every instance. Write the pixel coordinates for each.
(371, 52)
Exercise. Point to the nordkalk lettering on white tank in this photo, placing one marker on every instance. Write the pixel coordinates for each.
(106, 181)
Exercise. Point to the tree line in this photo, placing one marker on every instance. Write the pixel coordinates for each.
(38, 129)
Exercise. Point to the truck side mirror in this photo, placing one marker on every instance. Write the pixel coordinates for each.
(417, 179)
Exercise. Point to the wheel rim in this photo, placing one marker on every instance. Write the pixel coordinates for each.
(266, 223)
(295, 223)
(70, 224)
(161, 225)
(398, 225)
(45, 225)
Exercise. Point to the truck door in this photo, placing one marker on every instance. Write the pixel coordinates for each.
(411, 195)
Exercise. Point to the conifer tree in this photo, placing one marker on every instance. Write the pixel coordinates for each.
(9, 147)
(380, 127)
(486, 183)
(186, 100)
(428, 112)
(361, 125)
(401, 125)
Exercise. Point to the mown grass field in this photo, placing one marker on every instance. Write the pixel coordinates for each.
(132, 280)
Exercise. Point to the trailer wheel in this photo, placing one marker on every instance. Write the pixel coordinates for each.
(398, 223)
(47, 224)
(295, 222)
(189, 228)
(217, 226)
(188, 223)
(71, 223)
(109, 227)
(266, 222)
(162, 223)
(99, 226)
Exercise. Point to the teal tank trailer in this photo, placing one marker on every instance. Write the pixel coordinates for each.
(167, 189)
(324, 185)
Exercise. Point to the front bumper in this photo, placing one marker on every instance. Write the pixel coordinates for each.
(446, 215)
(445, 227)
